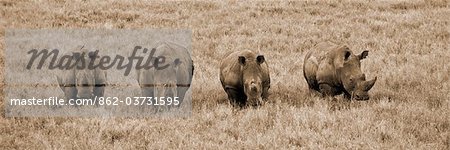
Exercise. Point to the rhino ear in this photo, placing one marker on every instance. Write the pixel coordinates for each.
(362, 77)
(363, 55)
(369, 84)
(242, 60)
(260, 59)
(345, 56)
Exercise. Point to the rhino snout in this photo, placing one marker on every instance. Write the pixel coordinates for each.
(85, 95)
(255, 101)
(85, 91)
(253, 87)
(170, 93)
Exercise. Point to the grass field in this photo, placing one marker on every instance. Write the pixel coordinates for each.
(409, 43)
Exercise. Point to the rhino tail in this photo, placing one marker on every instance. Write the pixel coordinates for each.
(192, 70)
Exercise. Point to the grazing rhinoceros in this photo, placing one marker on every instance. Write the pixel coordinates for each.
(245, 78)
(171, 81)
(82, 83)
(332, 70)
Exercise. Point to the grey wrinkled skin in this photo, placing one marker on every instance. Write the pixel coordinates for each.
(334, 69)
(82, 83)
(173, 81)
(245, 78)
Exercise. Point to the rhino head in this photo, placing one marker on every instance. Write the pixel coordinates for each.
(85, 77)
(348, 66)
(252, 78)
(166, 80)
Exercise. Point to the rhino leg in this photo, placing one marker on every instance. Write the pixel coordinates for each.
(99, 90)
(61, 83)
(327, 90)
(312, 84)
(147, 91)
(100, 81)
(347, 95)
(181, 91)
(67, 85)
(236, 97)
(265, 94)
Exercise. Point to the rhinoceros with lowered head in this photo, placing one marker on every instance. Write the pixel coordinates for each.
(82, 82)
(169, 82)
(245, 78)
(333, 69)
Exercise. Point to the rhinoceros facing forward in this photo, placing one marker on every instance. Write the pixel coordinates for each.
(172, 81)
(333, 69)
(82, 82)
(245, 78)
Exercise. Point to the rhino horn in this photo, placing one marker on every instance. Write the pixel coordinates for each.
(369, 84)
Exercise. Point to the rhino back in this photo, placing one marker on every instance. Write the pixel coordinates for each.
(314, 57)
(325, 54)
(172, 51)
(100, 76)
(230, 70)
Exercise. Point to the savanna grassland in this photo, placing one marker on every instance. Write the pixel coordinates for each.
(409, 44)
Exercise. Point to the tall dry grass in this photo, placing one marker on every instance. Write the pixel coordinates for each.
(409, 52)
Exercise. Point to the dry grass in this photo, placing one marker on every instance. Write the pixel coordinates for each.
(408, 40)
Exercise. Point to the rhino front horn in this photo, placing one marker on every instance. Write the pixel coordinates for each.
(369, 84)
